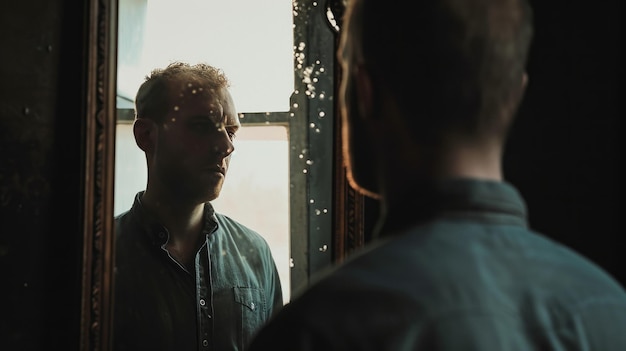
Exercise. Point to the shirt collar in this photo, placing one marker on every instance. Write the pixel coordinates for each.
(158, 233)
(484, 200)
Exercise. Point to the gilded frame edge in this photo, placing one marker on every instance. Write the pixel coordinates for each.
(99, 156)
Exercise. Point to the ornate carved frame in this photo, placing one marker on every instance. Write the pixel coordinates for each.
(100, 47)
(100, 109)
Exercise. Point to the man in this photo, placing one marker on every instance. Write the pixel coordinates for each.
(427, 97)
(187, 277)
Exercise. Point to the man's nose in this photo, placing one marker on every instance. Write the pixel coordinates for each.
(224, 145)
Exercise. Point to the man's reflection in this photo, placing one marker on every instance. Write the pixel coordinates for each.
(187, 277)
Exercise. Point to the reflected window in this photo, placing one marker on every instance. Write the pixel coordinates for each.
(256, 190)
(252, 41)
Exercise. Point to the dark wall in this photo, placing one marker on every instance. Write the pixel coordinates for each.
(563, 153)
(41, 119)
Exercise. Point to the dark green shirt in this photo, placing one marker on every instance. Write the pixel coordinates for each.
(468, 275)
(159, 305)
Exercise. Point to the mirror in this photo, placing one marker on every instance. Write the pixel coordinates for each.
(252, 42)
(308, 117)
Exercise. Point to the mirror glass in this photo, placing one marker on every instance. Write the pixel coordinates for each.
(252, 41)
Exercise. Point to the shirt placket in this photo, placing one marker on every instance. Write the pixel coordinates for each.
(204, 298)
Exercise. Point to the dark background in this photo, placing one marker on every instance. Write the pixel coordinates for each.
(563, 153)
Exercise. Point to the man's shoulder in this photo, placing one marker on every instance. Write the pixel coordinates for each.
(237, 229)
(228, 221)
(338, 314)
(122, 222)
(121, 216)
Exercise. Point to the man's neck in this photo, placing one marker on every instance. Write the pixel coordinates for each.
(408, 193)
(184, 221)
(184, 224)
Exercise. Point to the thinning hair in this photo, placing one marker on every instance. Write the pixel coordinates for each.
(152, 99)
(451, 64)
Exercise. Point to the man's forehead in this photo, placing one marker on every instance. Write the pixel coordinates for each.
(347, 43)
(228, 119)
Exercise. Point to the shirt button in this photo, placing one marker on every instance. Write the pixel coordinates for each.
(252, 305)
(205, 343)
(202, 302)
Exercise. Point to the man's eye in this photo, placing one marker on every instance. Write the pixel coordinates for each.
(204, 125)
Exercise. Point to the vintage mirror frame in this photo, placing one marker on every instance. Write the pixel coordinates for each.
(100, 90)
(99, 175)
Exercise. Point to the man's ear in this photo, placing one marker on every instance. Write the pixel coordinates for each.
(523, 85)
(145, 134)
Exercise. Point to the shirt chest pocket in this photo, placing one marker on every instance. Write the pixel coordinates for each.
(252, 305)
(250, 298)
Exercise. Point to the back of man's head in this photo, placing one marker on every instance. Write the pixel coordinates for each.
(449, 63)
